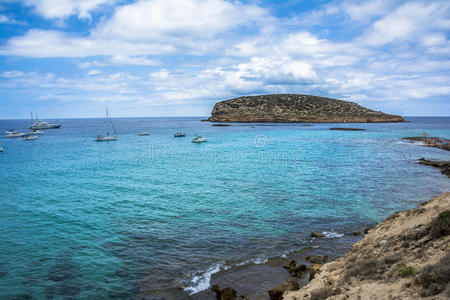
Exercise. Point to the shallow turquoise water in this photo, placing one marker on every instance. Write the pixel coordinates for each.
(104, 220)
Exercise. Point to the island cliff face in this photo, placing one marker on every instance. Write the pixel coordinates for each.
(293, 108)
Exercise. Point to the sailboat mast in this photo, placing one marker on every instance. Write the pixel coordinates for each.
(110, 121)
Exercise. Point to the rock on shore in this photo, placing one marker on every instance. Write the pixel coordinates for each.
(407, 256)
(294, 108)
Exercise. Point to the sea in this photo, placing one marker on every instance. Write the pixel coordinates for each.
(159, 217)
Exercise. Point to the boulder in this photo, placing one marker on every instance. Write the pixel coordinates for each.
(224, 294)
(316, 259)
(277, 293)
(296, 270)
(317, 234)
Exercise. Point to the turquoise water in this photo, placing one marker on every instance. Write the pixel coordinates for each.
(89, 220)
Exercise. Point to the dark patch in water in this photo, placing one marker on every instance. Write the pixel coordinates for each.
(66, 278)
(22, 297)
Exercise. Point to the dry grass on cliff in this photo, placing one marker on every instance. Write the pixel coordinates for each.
(407, 256)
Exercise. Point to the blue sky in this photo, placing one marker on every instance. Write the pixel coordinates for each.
(73, 58)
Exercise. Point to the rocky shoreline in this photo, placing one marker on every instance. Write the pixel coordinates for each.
(406, 256)
(439, 143)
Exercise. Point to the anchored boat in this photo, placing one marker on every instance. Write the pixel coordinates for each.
(29, 137)
(108, 137)
(199, 139)
(44, 125)
(13, 134)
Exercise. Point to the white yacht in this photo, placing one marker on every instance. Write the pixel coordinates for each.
(108, 137)
(199, 139)
(144, 133)
(13, 134)
(44, 125)
(29, 137)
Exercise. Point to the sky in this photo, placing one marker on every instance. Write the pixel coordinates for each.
(156, 58)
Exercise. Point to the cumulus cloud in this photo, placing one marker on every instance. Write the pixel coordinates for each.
(141, 28)
(173, 19)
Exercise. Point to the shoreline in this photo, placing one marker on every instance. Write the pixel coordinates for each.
(405, 256)
(241, 275)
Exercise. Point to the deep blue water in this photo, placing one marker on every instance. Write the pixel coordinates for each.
(95, 220)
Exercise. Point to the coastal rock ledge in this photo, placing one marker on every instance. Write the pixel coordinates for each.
(407, 256)
(293, 108)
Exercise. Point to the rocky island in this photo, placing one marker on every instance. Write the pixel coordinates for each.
(294, 108)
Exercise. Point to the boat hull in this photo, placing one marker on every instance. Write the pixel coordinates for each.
(38, 127)
(106, 139)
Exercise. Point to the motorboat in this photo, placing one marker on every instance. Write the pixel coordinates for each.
(199, 139)
(144, 133)
(1, 149)
(29, 137)
(179, 134)
(44, 125)
(13, 134)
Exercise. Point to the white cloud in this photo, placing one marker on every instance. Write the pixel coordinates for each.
(139, 29)
(94, 72)
(51, 9)
(9, 20)
(173, 19)
(12, 74)
(408, 22)
(121, 59)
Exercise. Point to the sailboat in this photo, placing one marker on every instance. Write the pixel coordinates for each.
(108, 137)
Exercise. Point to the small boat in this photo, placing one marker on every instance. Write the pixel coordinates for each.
(44, 125)
(36, 132)
(199, 139)
(1, 149)
(108, 137)
(144, 133)
(179, 134)
(29, 137)
(13, 134)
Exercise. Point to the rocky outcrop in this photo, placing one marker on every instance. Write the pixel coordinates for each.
(317, 234)
(436, 142)
(296, 270)
(293, 108)
(347, 129)
(278, 292)
(315, 269)
(441, 164)
(224, 294)
(406, 256)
